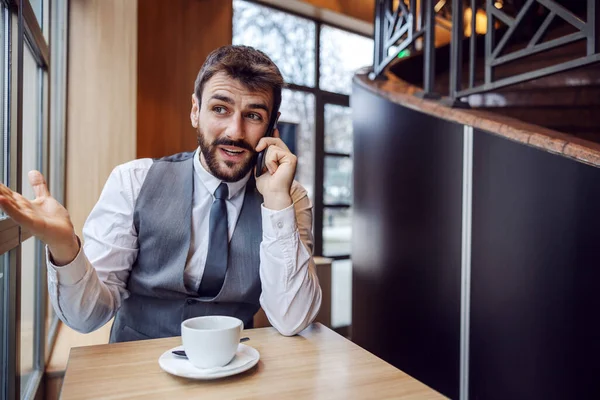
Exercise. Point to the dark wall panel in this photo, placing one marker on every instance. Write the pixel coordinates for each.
(535, 274)
(407, 239)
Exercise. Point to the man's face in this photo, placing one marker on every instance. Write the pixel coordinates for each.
(230, 121)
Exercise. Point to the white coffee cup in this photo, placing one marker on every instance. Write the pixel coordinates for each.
(211, 341)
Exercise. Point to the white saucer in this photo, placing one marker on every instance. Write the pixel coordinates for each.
(182, 367)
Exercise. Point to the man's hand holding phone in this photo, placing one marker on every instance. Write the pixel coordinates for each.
(275, 183)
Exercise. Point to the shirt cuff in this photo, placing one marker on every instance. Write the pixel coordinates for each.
(68, 274)
(278, 224)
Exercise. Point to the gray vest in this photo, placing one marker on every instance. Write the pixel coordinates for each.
(159, 300)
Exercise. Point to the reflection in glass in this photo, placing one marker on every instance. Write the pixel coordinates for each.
(45, 25)
(287, 39)
(299, 107)
(50, 316)
(37, 9)
(341, 293)
(30, 160)
(342, 53)
(28, 299)
(3, 139)
(338, 129)
(338, 180)
(31, 119)
(337, 231)
(3, 308)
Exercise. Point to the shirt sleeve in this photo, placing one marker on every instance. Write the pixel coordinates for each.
(291, 295)
(87, 293)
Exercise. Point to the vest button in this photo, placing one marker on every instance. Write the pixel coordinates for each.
(190, 301)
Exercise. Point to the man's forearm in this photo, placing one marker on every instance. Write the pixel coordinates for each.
(81, 300)
(291, 295)
(65, 252)
(277, 202)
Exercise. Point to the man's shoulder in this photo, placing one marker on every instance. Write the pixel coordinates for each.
(175, 157)
(133, 165)
(141, 166)
(131, 174)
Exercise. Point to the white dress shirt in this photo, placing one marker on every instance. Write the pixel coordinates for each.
(88, 292)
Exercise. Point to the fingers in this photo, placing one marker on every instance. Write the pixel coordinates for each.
(7, 196)
(271, 141)
(5, 191)
(38, 183)
(6, 200)
(277, 156)
(16, 207)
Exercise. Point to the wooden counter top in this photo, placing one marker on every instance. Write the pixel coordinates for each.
(403, 93)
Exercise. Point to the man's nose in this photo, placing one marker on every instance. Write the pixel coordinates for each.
(235, 128)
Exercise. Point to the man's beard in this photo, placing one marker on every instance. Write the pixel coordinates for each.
(234, 171)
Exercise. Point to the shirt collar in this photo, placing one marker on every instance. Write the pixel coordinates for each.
(212, 183)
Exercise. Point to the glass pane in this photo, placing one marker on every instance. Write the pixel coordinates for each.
(299, 108)
(289, 40)
(338, 180)
(342, 53)
(341, 293)
(46, 20)
(31, 160)
(50, 317)
(3, 310)
(337, 231)
(31, 119)
(28, 299)
(3, 139)
(37, 9)
(338, 129)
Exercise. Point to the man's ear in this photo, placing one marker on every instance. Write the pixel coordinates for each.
(195, 112)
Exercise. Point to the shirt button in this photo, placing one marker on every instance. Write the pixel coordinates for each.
(190, 301)
(280, 225)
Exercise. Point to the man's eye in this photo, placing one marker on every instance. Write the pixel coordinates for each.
(255, 116)
(219, 110)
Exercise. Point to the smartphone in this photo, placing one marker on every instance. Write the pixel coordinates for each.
(260, 158)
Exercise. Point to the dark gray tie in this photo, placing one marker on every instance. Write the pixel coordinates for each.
(218, 246)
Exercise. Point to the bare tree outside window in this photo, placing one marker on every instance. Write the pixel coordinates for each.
(287, 39)
(342, 53)
(338, 129)
(299, 107)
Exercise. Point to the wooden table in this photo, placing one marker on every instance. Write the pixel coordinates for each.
(318, 364)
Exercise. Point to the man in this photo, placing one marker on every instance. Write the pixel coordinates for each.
(191, 234)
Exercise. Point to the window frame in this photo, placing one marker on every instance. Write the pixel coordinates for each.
(23, 29)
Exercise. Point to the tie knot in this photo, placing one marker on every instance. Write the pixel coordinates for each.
(222, 191)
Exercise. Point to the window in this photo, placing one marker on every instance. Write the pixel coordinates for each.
(27, 325)
(317, 98)
(3, 317)
(27, 317)
(299, 107)
(289, 40)
(3, 75)
(342, 53)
